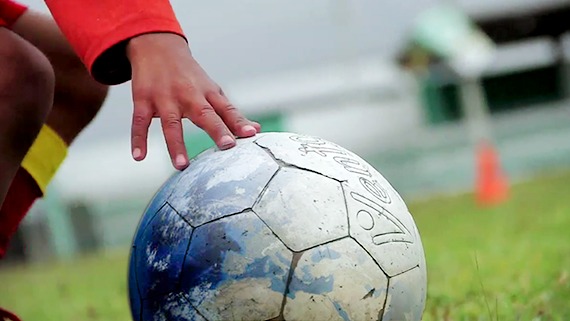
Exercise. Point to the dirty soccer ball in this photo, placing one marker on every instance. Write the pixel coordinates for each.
(281, 227)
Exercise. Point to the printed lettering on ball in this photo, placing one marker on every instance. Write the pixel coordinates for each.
(283, 226)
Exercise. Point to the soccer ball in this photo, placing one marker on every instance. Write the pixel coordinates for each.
(281, 227)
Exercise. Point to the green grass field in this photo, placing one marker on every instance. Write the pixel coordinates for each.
(507, 263)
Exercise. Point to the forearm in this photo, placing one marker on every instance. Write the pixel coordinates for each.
(99, 31)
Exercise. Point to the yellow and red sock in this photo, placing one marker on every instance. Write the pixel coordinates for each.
(30, 183)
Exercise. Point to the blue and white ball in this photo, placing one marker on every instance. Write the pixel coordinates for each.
(281, 227)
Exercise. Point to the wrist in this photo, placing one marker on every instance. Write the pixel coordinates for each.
(141, 45)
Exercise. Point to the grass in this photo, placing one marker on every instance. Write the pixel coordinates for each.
(510, 262)
(88, 289)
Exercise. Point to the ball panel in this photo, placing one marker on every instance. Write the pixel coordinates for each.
(422, 258)
(236, 268)
(171, 307)
(158, 201)
(134, 292)
(385, 233)
(314, 154)
(406, 296)
(238, 174)
(338, 280)
(160, 252)
(303, 208)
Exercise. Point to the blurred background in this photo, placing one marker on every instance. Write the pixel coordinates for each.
(373, 76)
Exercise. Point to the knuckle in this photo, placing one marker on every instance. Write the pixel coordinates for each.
(230, 108)
(234, 116)
(204, 117)
(225, 106)
(146, 94)
(183, 87)
(142, 93)
(203, 111)
(138, 139)
(141, 118)
(172, 121)
(188, 100)
(213, 91)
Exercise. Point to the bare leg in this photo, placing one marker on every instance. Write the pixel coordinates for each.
(76, 102)
(26, 96)
(78, 97)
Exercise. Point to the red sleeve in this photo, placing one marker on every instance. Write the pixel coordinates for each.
(10, 11)
(98, 30)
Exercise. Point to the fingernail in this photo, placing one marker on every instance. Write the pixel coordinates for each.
(180, 160)
(137, 153)
(248, 129)
(226, 142)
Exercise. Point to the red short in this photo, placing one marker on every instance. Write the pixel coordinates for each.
(10, 11)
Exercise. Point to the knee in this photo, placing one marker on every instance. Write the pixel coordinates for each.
(88, 100)
(75, 106)
(78, 99)
(27, 85)
(95, 99)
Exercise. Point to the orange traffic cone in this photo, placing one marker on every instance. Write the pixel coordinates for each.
(492, 184)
